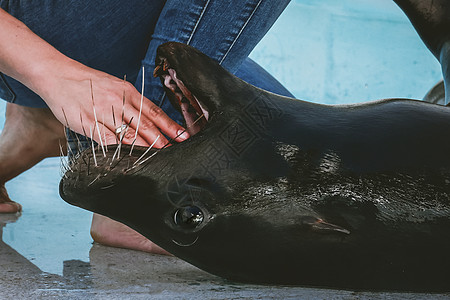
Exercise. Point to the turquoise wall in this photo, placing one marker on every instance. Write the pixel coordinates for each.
(342, 51)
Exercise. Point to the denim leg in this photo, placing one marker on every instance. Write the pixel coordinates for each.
(108, 35)
(256, 75)
(227, 31)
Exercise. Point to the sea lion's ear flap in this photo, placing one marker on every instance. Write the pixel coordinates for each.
(319, 225)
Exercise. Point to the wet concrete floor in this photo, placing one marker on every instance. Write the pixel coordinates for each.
(328, 51)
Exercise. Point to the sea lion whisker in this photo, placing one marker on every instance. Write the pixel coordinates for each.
(187, 127)
(84, 159)
(64, 167)
(65, 117)
(67, 144)
(140, 110)
(104, 131)
(107, 187)
(65, 135)
(123, 99)
(146, 159)
(132, 145)
(86, 136)
(106, 146)
(72, 134)
(165, 146)
(120, 144)
(95, 179)
(119, 159)
(89, 166)
(60, 151)
(78, 140)
(96, 120)
(117, 152)
(93, 148)
(114, 155)
(146, 151)
(140, 164)
(114, 122)
(122, 134)
(82, 125)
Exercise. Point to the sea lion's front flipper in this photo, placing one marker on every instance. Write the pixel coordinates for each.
(321, 226)
(431, 19)
(349, 213)
(436, 94)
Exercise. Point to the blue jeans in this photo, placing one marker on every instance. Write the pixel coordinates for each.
(118, 37)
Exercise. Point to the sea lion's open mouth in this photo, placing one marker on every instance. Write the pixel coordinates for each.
(194, 113)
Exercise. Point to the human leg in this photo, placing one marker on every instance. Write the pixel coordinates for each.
(29, 135)
(256, 75)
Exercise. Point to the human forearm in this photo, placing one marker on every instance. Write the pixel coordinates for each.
(25, 56)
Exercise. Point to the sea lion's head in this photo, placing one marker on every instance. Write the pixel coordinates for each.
(216, 197)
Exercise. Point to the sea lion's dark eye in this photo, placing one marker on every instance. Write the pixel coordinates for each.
(188, 217)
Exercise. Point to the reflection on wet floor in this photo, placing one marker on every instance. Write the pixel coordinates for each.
(327, 51)
(49, 231)
(114, 273)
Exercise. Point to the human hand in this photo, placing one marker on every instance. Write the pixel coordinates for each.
(91, 102)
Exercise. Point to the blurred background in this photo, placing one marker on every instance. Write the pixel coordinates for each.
(347, 51)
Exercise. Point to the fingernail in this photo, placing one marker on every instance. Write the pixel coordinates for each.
(182, 134)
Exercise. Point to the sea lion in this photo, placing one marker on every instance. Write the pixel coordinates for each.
(431, 19)
(436, 94)
(276, 190)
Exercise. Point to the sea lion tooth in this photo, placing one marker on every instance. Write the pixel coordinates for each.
(156, 70)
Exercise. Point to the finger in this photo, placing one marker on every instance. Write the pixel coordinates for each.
(118, 123)
(147, 133)
(152, 116)
(125, 133)
(126, 136)
(101, 134)
(128, 116)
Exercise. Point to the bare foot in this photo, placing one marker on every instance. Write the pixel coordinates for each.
(112, 233)
(6, 205)
(29, 135)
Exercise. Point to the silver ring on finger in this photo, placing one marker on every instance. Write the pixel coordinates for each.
(121, 128)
